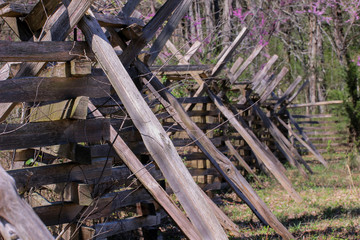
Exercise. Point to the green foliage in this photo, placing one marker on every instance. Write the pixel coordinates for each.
(353, 160)
(352, 105)
(31, 162)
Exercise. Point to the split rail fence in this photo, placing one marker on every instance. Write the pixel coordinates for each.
(100, 132)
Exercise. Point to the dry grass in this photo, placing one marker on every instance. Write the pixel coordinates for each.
(330, 207)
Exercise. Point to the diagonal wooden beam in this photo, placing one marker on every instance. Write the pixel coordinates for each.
(229, 52)
(144, 176)
(203, 88)
(148, 32)
(241, 160)
(270, 88)
(260, 75)
(283, 143)
(284, 181)
(185, 60)
(306, 141)
(303, 142)
(288, 91)
(236, 65)
(15, 213)
(40, 13)
(290, 99)
(168, 30)
(247, 62)
(250, 138)
(155, 138)
(220, 161)
(129, 7)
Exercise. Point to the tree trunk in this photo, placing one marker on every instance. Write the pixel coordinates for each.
(226, 30)
(312, 60)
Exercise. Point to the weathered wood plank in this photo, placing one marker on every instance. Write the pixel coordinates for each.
(312, 116)
(120, 21)
(297, 92)
(103, 230)
(52, 133)
(39, 14)
(26, 178)
(16, 212)
(304, 143)
(15, 9)
(155, 138)
(236, 65)
(315, 104)
(148, 32)
(307, 140)
(196, 45)
(223, 164)
(247, 62)
(260, 75)
(64, 212)
(219, 160)
(148, 181)
(44, 51)
(168, 30)
(241, 160)
(284, 181)
(37, 89)
(270, 88)
(229, 52)
(20, 28)
(56, 28)
(180, 68)
(288, 91)
(80, 67)
(130, 6)
(75, 108)
(282, 142)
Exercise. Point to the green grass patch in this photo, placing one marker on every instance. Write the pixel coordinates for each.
(330, 207)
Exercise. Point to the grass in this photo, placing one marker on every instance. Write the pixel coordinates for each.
(330, 207)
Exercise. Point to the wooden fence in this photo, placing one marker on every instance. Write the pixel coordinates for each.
(100, 132)
(329, 131)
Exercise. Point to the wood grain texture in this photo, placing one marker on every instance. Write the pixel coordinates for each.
(38, 134)
(282, 142)
(38, 89)
(168, 30)
(154, 136)
(17, 212)
(222, 164)
(56, 28)
(148, 31)
(44, 51)
(148, 181)
(15, 9)
(39, 14)
(288, 91)
(26, 178)
(246, 64)
(229, 52)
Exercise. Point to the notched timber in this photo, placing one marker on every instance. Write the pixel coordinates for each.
(26, 178)
(46, 51)
(39, 134)
(38, 89)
